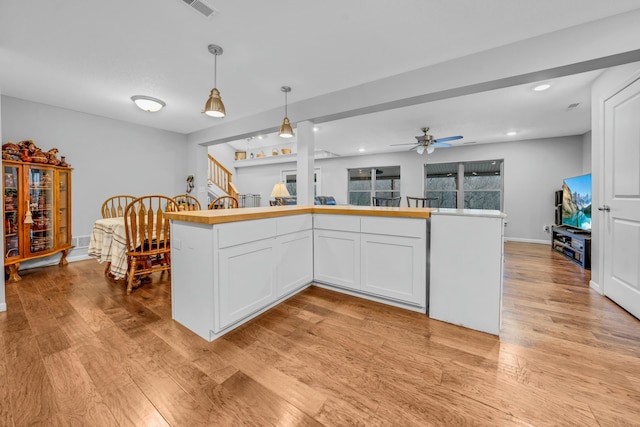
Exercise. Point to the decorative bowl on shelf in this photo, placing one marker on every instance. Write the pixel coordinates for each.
(286, 150)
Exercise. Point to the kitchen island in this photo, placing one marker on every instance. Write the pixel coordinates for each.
(229, 266)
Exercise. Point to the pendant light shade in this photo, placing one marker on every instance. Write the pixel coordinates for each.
(214, 106)
(285, 129)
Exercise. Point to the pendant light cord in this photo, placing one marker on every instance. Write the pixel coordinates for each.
(285, 104)
(215, 70)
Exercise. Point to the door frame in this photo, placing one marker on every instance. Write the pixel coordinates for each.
(608, 85)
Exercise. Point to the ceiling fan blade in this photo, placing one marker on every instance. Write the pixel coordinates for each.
(449, 138)
(440, 144)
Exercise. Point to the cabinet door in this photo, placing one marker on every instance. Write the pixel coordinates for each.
(295, 268)
(246, 280)
(63, 204)
(337, 258)
(395, 267)
(13, 211)
(40, 235)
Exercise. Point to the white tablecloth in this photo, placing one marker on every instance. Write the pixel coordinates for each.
(109, 243)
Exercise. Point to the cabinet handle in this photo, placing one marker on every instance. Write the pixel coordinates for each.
(605, 208)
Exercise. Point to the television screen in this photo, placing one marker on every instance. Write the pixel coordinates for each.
(576, 202)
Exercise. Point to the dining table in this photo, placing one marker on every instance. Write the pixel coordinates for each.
(109, 244)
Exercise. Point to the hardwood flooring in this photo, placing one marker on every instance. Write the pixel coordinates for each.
(75, 350)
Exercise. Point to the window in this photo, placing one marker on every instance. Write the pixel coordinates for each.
(472, 185)
(365, 183)
(290, 179)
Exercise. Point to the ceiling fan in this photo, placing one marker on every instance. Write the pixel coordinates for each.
(428, 143)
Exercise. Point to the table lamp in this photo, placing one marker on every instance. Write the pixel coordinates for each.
(279, 191)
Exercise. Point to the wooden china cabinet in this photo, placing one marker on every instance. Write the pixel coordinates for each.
(37, 213)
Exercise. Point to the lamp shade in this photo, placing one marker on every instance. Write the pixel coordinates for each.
(214, 106)
(280, 190)
(285, 129)
(148, 103)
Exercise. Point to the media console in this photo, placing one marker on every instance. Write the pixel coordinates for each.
(573, 244)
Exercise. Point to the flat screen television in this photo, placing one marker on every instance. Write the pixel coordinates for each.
(576, 202)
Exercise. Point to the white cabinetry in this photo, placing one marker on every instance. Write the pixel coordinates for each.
(466, 268)
(224, 274)
(378, 258)
(337, 250)
(295, 253)
(394, 253)
(245, 269)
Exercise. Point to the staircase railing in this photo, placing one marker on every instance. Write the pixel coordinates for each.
(221, 177)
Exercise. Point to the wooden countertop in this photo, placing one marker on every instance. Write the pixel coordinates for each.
(220, 216)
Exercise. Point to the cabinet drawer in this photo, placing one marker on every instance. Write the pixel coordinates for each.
(337, 222)
(292, 224)
(404, 227)
(237, 233)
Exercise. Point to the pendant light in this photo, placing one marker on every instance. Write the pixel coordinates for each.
(214, 106)
(285, 129)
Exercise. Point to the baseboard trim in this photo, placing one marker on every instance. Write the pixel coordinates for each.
(593, 285)
(518, 239)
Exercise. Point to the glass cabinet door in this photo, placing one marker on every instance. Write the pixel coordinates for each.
(11, 211)
(64, 237)
(41, 208)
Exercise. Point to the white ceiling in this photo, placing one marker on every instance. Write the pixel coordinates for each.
(93, 56)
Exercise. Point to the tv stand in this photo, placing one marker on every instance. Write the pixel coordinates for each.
(573, 244)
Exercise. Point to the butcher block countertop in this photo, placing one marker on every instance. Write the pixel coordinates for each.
(220, 216)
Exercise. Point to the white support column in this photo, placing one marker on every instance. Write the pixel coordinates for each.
(306, 150)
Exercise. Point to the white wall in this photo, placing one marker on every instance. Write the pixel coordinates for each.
(586, 153)
(108, 156)
(533, 171)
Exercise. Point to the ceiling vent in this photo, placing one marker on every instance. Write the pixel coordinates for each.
(201, 7)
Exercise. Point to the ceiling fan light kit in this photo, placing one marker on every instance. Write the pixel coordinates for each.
(214, 106)
(427, 142)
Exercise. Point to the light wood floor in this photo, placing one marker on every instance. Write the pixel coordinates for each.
(75, 350)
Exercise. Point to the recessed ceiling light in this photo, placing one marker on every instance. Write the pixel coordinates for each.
(512, 133)
(148, 103)
(361, 150)
(315, 128)
(542, 87)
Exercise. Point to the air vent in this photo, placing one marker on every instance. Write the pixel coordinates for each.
(572, 106)
(201, 7)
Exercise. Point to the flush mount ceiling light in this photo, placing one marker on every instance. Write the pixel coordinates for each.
(214, 106)
(542, 87)
(512, 133)
(285, 129)
(148, 103)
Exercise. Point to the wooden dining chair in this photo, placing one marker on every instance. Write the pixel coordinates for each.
(147, 233)
(385, 201)
(114, 206)
(423, 202)
(187, 202)
(224, 202)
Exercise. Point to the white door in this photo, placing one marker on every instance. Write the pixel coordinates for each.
(620, 211)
